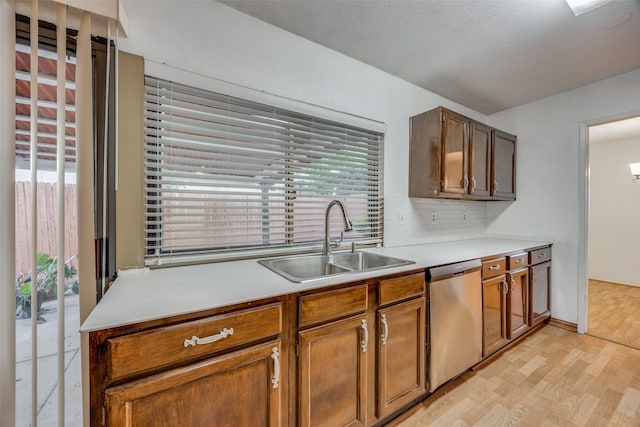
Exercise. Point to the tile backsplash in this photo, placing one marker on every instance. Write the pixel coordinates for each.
(416, 221)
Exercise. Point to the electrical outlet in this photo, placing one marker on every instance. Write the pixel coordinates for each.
(433, 217)
(465, 216)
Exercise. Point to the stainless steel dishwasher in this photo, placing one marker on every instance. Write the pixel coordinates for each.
(455, 326)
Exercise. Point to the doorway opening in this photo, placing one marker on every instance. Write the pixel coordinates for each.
(613, 272)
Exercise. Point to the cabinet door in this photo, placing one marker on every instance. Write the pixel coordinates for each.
(518, 310)
(503, 165)
(480, 159)
(401, 348)
(540, 294)
(494, 308)
(454, 178)
(332, 373)
(237, 389)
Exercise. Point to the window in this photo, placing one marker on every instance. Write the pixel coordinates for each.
(227, 177)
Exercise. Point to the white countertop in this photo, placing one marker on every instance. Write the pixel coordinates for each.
(143, 295)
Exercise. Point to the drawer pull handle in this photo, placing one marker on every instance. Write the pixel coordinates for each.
(385, 334)
(365, 339)
(208, 340)
(541, 255)
(275, 379)
(494, 267)
(519, 260)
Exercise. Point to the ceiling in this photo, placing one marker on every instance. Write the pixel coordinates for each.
(489, 55)
(615, 131)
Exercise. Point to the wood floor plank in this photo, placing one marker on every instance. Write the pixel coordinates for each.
(614, 312)
(555, 377)
(586, 407)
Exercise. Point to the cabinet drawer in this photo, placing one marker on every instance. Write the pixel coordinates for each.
(494, 267)
(517, 261)
(540, 255)
(168, 346)
(400, 288)
(325, 306)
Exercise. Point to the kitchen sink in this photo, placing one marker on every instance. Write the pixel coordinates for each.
(309, 267)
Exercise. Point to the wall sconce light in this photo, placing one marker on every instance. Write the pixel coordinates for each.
(635, 171)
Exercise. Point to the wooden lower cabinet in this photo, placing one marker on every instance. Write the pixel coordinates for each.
(333, 373)
(401, 355)
(518, 302)
(494, 309)
(242, 388)
(540, 303)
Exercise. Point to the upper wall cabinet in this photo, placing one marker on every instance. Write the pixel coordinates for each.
(503, 161)
(453, 156)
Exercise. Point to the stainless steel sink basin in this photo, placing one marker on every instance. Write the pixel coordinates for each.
(309, 267)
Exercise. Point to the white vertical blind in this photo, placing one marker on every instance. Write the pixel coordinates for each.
(33, 164)
(7, 214)
(61, 98)
(231, 177)
(85, 202)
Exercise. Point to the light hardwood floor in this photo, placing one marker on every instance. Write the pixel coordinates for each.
(553, 378)
(614, 312)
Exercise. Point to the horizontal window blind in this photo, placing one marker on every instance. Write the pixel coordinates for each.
(231, 177)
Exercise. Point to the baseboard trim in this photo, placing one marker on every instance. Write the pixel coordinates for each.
(573, 327)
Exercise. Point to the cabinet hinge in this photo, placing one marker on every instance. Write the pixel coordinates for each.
(297, 350)
(103, 421)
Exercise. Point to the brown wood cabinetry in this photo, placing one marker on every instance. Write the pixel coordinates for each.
(540, 304)
(494, 307)
(518, 302)
(335, 363)
(480, 160)
(455, 153)
(167, 375)
(540, 283)
(453, 156)
(401, 344)
(495, 290)
(237, 389)
(333, 373)
(503, 161)
(137, 353)
(505, 301)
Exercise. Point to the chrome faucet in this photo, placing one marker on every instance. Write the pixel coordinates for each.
(326, 247)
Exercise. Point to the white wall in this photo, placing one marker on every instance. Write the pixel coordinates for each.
(549, 174)
(211, 39)
(614, 231)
